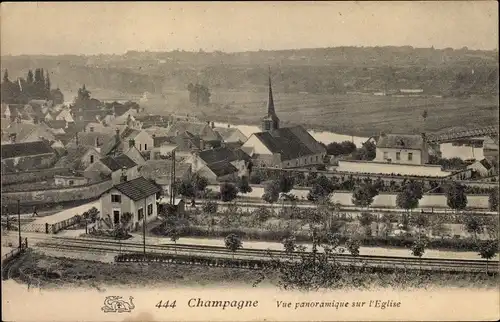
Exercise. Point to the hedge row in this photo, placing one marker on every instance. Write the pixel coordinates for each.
(274, 236)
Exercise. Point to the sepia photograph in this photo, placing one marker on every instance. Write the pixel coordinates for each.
(250, 161)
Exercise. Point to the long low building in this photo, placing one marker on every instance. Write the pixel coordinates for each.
(426, 170)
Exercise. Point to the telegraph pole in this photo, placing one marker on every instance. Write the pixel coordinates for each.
(19, 222)
(144, 228)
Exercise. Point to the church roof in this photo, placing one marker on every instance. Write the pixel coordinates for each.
(290, 142)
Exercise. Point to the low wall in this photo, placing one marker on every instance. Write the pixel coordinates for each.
(427, 201)
(57, 194)
(392, 168)
(32, 176)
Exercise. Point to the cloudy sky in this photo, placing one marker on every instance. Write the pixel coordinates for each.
(92, 28)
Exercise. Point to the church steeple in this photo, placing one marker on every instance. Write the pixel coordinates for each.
(271, 121)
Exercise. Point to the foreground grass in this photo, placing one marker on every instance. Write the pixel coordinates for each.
(56, 272)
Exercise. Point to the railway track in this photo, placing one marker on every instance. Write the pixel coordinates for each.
(108, 246)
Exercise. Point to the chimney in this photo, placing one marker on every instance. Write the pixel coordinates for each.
(123, 177)
(213, 125)
(202, 144)
(131, 143)
(12, 137)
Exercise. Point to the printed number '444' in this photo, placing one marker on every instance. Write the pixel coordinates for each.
(166, 304)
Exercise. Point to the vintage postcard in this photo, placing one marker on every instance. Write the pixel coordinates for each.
(250, 161)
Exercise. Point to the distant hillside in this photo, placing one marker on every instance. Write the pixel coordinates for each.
(447, 72)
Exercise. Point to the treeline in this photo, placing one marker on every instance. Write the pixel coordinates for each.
(36, 85)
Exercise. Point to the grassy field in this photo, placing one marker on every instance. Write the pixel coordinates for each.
(64, 272)
(352, 114)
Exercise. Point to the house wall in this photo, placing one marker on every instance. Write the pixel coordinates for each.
(477, 166)
(207, 173)
(86, 160)
(314, 159)
(143, 141)
(391, 168)
(70, 181)
(428, 201)
(464, 152)
(28, 163)
(135, 155)
(95, 171)
(257, 146)
(417, 158)
(58, 194)
(132, 173)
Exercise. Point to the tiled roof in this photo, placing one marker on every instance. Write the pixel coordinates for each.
(230, 134)
(157, 131)
(290, 142)
(25, 149)
(218, 155)
(160, 170)
(203, 130)
(222, 168)
(91, 138)
(73, 158)
(138, 189)
(486, 164)
(159, 140)
(401, 141)
(119, 162)
(56, 124)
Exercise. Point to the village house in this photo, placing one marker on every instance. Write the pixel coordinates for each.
(56, 127)
(115, 166)
(473, 148)
(116, 145)
(98, 127)
(27, 156)
(402, 149)
(65, 115)
(78, 158)
(231, 135)
(23, 133)
(277, 147)
(137, 196)
(152, 121)
(161, 172)
(220, 164)
(93, 139)
(203, 131)
(483, 168)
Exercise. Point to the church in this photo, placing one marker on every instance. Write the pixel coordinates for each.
(287, 147)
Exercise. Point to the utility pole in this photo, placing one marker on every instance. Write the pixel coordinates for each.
(19, 222)
(144, 227)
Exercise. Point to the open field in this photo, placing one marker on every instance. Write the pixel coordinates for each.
(60, 272)
(353, 114)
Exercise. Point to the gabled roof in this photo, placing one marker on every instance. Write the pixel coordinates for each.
(401, 141)
(222, 168)
(203, 130)
(73, 158)
(23, 130)
(25, 149)
(290, 142)
(159, 140)
(486, 164)
(56, 124)
(230, 133)
(161, 170)
(157, 131)
(218, 155)
(91, 138)
(138, 189)
(118, 162)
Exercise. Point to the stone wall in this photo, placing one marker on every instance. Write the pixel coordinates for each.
(90, 191)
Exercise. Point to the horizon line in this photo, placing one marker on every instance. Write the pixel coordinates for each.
(201, 50)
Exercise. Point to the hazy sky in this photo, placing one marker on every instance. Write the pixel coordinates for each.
(92, 28)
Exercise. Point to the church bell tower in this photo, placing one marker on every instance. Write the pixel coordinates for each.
(270, 122)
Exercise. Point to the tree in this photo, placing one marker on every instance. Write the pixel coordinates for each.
(185, 188)
(353, 246)
(473, 225)
(125, 219)
(200, 182)
(271, 192)
(455, 196)
(233, 242)
(228, 191)
(289, 243)
(487, 250)
(409, 196)
(30, 78)
(261, 215)
(93, 214)
(363, 195)
(418, 249)
(243, 185)
(6, 76)
(210, 207)
(493, 199)
(366, 220)
(285, 183)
